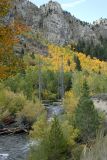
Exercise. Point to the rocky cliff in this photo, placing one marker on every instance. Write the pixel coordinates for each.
(56, 25)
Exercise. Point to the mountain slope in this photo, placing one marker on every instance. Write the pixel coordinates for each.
(58, 26)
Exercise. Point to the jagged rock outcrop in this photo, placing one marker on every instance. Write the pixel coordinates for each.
(100, 28)
(80, 29)
(56, 25)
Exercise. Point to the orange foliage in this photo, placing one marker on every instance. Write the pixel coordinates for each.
(9, 63)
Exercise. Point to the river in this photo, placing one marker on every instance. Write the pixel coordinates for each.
(16, 147)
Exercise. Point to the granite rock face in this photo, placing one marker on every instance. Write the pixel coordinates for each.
(56, 29)
(56, 25)
(100, 28)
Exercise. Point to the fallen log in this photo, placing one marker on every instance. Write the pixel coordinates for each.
(16, 130)
(8, 120)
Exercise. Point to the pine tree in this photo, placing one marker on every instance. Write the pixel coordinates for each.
(57, 145)
(77, 61)
(53, 146)
(86, 116)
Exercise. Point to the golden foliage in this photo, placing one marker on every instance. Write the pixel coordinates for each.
(58, 56)
(69, 132)
(92, 65)
(40, 127)
(70, 102)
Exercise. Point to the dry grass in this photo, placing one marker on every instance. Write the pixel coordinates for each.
(98, 151)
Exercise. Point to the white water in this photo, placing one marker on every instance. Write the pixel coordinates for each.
(4, 156)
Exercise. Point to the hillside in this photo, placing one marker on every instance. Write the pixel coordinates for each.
(60, 27)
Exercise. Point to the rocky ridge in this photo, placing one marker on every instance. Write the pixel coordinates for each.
(58, 26)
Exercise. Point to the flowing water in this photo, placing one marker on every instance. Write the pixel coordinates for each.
(16, 147)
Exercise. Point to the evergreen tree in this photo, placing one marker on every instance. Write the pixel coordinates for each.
(86, 116)
(53, 146)
(57, 145)
(89, 48)
(77, 61)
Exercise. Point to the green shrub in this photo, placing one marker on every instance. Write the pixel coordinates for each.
(11, 101)
(31, 111)
(16, 104)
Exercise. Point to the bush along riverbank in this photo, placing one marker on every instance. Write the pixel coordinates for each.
(17, 113)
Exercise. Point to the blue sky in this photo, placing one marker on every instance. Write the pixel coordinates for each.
(86, 10)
